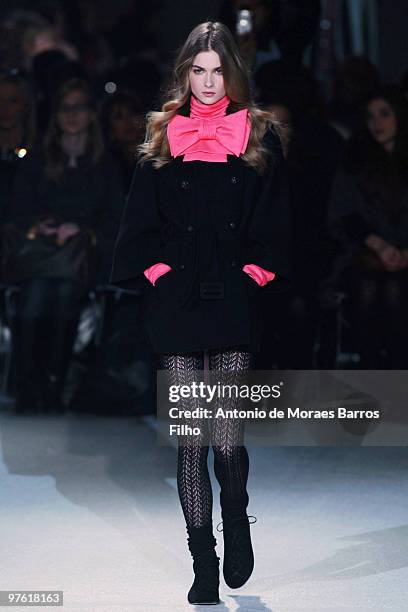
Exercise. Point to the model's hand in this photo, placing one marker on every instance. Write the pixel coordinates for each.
(259, 275)
(156, 271)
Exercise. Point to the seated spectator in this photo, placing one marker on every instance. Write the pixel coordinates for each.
(35, 33)
(368, 217)
(67, 195)
(38, 39)
(13, 28)
(356, 77)
(50, 69)
(124, 123)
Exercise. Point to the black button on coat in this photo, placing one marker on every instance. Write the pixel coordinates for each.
(206, 220)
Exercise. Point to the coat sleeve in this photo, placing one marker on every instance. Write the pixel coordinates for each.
(138, 244)
(270, 236)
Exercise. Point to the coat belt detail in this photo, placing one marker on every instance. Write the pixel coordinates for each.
(207, 243)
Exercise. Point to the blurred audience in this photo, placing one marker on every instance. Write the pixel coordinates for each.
(67, 199)
(14, 26)
(279, 29)
(124, 123)
(17, 131)
(49, 70)
(368, 217)
(313, 149)
(34, 33)
(356, 77)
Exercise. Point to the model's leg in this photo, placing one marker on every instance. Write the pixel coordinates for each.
(231, 467)
(194, 486)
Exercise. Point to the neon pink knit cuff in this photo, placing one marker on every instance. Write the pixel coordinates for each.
(155, 271)
(258, 274)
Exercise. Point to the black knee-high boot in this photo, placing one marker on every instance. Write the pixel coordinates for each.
(238, 553)
(231, 466)
(201, 543)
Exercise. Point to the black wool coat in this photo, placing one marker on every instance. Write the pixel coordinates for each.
(206, 220)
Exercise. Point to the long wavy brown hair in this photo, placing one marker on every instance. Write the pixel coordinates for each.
(54, 154)
(208, 36)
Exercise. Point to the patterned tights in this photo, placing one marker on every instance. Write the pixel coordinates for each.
(227, 435)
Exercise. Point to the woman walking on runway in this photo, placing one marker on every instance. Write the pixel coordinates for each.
(206, 223)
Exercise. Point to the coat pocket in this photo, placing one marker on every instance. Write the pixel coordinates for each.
(170, 288)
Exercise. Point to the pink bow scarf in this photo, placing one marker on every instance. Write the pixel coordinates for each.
(209, 134)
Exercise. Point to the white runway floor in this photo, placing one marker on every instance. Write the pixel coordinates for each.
(89, 506)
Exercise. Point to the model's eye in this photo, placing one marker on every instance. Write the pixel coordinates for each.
(218, 70)
(197, 70)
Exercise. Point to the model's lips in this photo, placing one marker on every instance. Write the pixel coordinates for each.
(209, 93)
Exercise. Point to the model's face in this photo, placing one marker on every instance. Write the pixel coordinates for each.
(382, 122)
(74, 113)
(206, 79)
(12, 106)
